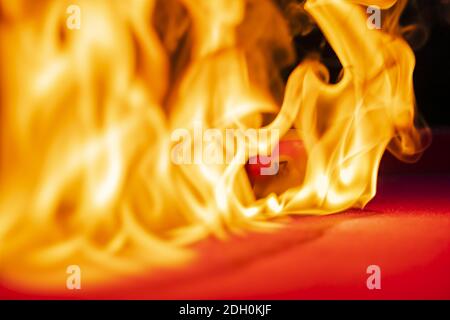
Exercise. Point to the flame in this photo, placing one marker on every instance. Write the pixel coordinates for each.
(89, 116)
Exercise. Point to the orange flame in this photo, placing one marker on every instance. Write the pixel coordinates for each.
(88, 118)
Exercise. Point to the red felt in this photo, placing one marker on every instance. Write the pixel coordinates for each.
(405, 230)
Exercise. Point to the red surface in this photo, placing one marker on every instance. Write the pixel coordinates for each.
(405, 230)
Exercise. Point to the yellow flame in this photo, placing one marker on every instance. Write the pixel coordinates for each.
(87, 117)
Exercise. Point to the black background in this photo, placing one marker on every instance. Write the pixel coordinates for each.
(432, 77)
(432, 51)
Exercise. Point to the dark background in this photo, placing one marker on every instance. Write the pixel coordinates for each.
(432, 77)
(431, 44)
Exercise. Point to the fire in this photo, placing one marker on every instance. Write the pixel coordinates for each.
(87, 121)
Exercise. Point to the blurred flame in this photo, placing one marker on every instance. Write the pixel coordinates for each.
(87, 116)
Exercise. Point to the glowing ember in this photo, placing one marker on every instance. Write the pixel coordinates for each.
(90, 118)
